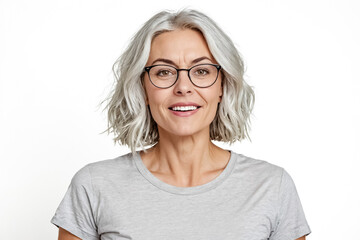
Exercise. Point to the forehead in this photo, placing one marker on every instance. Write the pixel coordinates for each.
(179, 45)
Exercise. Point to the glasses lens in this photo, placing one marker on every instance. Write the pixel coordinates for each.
(163, 76)
(203, 75)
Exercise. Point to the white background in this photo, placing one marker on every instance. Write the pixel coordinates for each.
(302, 57)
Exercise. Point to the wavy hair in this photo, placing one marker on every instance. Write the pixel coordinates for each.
(130, 120)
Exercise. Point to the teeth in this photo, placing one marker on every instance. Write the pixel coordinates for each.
(184, 108)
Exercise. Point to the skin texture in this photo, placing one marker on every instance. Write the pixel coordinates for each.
(182, 47)
(184, 156)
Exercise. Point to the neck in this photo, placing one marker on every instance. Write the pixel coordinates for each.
(186, 160)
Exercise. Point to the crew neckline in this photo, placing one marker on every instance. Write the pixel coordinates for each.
(185, 190)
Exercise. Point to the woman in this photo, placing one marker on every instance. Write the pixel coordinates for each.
(180, 85)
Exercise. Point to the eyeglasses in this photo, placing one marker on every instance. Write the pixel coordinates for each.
(165, 76)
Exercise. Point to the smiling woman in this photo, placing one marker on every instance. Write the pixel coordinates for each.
(179, 86)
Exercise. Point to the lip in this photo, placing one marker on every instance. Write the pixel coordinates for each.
(182, 104)
(184, 114)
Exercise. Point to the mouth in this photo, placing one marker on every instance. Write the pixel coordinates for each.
(184, 108)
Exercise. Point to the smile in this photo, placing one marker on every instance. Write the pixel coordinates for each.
(184, 111)
(184, 108)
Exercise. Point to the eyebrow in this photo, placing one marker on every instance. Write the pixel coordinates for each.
(196, 60)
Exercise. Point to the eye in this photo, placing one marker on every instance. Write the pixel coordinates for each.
(164, 73)
(201, 71)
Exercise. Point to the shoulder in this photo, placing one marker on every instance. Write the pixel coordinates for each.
(119, 166)
(256, 165)
(122, 162)
(257, 169)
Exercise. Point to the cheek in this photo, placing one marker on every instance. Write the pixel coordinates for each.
(157, 104)
(150, 92)
(154, 97)
(214, 100)
(216, 93)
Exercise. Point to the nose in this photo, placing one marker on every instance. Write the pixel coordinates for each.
(183, 85)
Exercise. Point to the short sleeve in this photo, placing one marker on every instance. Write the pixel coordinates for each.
(291, 223)
(75, 212)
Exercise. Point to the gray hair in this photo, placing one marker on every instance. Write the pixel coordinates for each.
(130, 120)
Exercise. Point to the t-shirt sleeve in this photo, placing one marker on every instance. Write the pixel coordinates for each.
(291, 223)
(75, 212)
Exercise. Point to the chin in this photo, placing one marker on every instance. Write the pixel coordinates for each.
(184, 131)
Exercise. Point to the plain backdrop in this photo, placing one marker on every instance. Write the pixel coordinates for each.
(302, 58)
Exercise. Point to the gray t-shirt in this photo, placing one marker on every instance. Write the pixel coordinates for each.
(121, 199)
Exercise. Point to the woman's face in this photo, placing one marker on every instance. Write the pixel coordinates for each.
(182, 49)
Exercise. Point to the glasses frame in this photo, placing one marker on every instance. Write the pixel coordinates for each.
(148, 68)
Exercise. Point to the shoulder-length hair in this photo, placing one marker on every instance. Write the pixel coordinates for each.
(130, 120)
